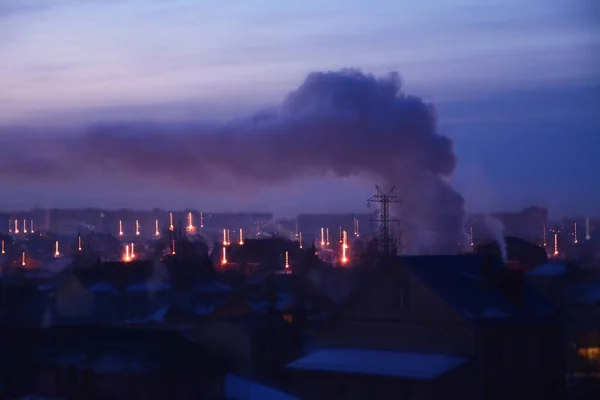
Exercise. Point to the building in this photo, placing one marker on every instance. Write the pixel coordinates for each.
(438, 327)
(86, 362)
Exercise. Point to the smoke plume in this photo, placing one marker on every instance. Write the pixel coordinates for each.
(342, 123)
(496, 228)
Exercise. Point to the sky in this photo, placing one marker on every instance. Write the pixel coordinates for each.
(515, 83)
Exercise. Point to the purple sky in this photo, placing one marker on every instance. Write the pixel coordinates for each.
(516, 84)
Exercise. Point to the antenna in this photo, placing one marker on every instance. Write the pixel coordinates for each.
(137, 227)
(385, 198)
(300, 239)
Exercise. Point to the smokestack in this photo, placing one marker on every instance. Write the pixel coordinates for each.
(353, 113)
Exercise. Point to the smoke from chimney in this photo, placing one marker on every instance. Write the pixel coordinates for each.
(343, 123)
(496, 228)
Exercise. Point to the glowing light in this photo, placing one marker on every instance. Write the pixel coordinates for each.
(3, 252)
(23, 259)
(341, 235)
(224, 257)
(322, 237)
(190, 227)
(300, 241)
(16, 226)
(24, 226)
(79, 243)
(327, 237)
(587, 229)
(173, 247)
(556, 245)
(156, 231)
(575, 240)
(127, 257)
(31, 226)
(132, 251)
(56, 252)
(241, 242)
(471, 236)
(344, 247)
(356, 232)
(120, 228)
(137, 228)
(9, 226)
(224, 237)
(201, 220)
(296, 228)
(287, 260)
(545, 241)
(228, 238)
(171, 227)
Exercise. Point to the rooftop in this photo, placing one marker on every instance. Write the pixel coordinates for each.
(422, 366)
(460, 281)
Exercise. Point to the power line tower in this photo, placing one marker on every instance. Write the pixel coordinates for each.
(386, 240)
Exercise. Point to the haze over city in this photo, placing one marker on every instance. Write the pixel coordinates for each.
(515, 86)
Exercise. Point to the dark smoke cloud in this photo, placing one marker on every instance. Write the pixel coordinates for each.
(343, 123)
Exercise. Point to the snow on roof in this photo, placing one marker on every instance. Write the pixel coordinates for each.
(102, 287)
(379, 362)
(242, 389)
(105, 363)
(206, 308)
(494, 313)
(149, 286)
(157, 316)
(214, 287)
(549, 270)
(44, 287)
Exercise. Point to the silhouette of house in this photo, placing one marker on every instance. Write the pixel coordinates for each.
(438, 327)
(87, 362)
